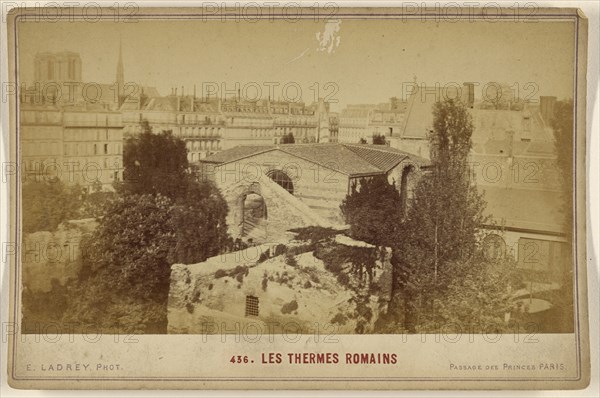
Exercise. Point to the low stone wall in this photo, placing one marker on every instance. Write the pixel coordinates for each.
(296, 295)
(53, 255)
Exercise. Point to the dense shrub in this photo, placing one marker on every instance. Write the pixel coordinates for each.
(279, 250)
(314, 234)
(339, 319)
(220, 273)
(290, 307)
(264, 256)
(290, 260)
(161, 216)
(46, 204)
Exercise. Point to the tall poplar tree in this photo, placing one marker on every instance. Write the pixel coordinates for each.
(442, 224)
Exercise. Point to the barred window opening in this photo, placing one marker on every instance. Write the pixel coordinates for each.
(251, 306)
(282, 179)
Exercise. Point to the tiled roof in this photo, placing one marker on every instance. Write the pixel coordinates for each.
(353, 160)
(492, 124)
(499, 147)
(536, 210)
(130, 105)
(150, 91)
(203, 107)
(162, 104)
(334, 156)
(185, 105)
(383, 157)
(237, 153)
(419, 116)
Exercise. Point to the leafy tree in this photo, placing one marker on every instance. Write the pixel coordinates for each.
(442, 224)
(373, 209)
(95, 202)
(154, 163)
(362, 141)
(476, 296)
(501, 96)
(125, 268)
(129, 255)
(379, 139)
(163, 217)
(288, 139)
(314, 234)
(133, 241)
(42, 308)
(198, 222)
(46, 204)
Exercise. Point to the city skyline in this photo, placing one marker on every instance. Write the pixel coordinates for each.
(541, 56)
(376, 174)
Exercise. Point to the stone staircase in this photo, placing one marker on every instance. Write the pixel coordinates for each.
(255, 229)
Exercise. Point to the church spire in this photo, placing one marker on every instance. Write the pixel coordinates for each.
(120, 74)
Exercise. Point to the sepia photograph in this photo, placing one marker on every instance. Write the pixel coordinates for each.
(267, 172)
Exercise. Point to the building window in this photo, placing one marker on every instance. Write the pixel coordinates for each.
(105, 149)
(251, 306)
(282, 179)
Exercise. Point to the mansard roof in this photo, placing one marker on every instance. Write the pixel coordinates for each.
(525, 209)
(531, 135)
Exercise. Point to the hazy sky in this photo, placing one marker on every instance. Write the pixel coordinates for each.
(369, 63)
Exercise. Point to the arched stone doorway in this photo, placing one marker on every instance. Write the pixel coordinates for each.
(253, 217)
